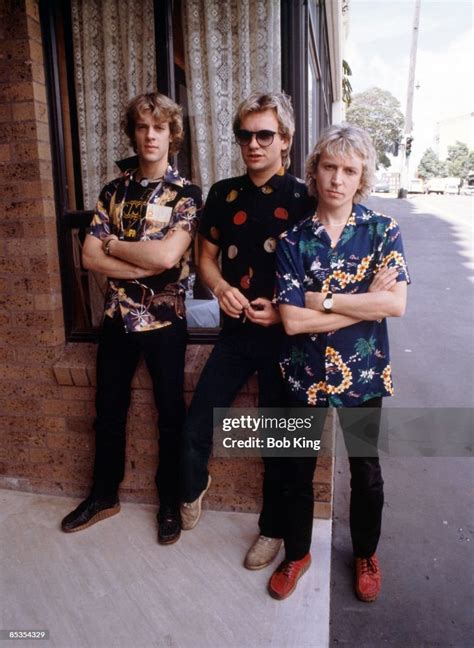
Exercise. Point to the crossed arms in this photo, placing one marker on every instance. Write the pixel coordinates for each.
(132, 260)
(385, 298)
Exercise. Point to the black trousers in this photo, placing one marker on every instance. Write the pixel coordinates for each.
(237, 355)
(118, 355)
(288, 489)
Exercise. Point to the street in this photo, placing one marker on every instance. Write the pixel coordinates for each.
(426, 548)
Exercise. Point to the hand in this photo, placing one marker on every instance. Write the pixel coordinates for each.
(384, 279)
(261, 311)
(314, 300)
(230, 299)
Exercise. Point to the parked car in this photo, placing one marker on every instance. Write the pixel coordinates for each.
(416, 186)
(382, 187)
(443, 185)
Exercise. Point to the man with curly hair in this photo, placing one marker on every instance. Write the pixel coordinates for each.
(340, 274)
(140, 238)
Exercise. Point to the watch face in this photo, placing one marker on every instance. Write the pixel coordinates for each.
(327, 303)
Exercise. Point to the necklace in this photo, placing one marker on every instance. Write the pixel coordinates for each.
(146, 181)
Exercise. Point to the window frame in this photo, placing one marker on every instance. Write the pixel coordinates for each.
(53, 12)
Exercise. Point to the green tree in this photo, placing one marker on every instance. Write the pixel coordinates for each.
(459, 160)
(378, 112)
(431, 166)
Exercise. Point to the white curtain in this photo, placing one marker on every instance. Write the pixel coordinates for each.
(232, 48)
(114, 60)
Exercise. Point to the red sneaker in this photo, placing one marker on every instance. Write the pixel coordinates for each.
(368, 579)
(286, 576)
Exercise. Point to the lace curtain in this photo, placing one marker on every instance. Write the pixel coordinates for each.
(114, 60)
(232, 48)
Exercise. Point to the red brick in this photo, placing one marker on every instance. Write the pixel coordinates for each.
(58, 407)
(34, 29)
(79, 376)
(63, 375)
(13, 406)
(79, 425)
(36, 355)
(81, 444)
(5, 113)
(32, 9)
(78, 393)
(15, 50)
(16, 302)
(24, 111)
(36, 51)
(11, 230)
(47, 301)
(5, 153)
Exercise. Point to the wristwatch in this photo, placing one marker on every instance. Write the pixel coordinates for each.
(328, 302)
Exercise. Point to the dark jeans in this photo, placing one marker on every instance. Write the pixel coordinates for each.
(118, 355)
(288, 490)
(236, 356)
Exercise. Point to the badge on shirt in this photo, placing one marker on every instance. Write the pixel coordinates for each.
(157, 217)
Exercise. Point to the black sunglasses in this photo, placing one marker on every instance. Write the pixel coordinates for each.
(264, 137)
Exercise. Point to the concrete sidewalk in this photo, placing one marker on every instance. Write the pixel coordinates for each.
(112, 585)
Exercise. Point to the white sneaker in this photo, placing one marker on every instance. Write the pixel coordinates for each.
(191, 511)
(263, 551)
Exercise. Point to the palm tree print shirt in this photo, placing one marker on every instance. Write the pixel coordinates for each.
(341, 368)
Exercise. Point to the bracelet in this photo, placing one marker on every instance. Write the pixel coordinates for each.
(107, 247)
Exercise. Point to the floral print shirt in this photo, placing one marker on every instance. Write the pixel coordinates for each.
(341, 368)
(245, 221)
(136, 213)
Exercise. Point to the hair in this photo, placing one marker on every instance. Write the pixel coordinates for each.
(161, 107)
(280, 103)
(344, 139)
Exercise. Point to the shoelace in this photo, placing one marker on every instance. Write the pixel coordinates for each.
(368, 565)
(289, 568)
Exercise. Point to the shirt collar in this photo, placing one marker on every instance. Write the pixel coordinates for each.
(274, 182)
(171, 175)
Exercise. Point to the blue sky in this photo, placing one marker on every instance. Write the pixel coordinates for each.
(378, 50)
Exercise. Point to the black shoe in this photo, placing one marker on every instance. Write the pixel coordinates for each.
(169, 524)
(90, 511)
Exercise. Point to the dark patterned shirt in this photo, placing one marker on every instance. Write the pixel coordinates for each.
(351, 365)
(245, 221)
(125, 209)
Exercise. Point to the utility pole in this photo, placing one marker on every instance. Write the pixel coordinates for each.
(408, 137)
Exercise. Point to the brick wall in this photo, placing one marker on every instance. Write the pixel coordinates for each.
(46, 386)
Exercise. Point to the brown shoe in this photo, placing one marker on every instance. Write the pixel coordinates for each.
(368, 579)
(263, 551)
(191, 511)
(286, 576)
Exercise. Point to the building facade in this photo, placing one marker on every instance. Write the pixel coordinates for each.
(67, 70)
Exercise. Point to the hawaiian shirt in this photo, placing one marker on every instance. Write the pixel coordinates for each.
(341, 368)
(137, 213)
(245, 221)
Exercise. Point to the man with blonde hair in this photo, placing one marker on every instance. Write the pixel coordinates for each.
(140, 238)
(242, 220)
(340, 274)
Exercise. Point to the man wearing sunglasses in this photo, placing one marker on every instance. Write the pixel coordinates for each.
(242, 220)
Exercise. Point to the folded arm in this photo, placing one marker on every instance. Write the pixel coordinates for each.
(156, 256)
(94, 258)
(297, 320)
